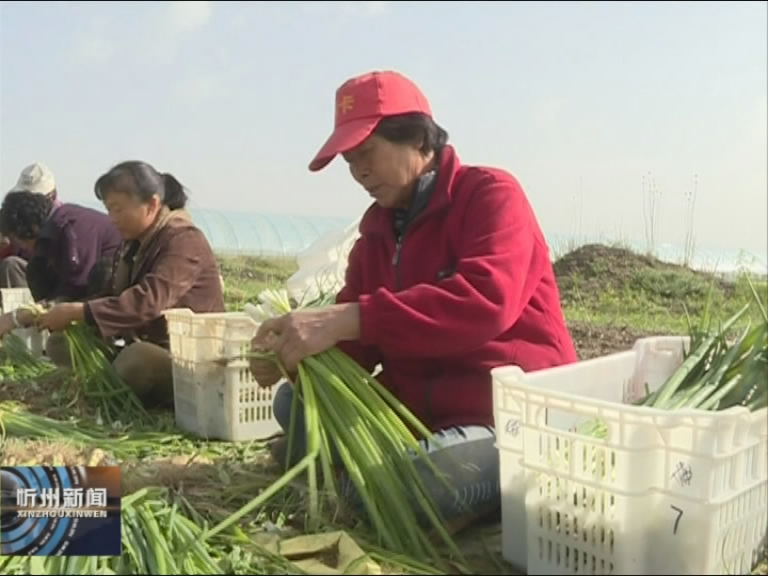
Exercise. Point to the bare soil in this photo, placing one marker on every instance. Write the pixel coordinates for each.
(593, 341)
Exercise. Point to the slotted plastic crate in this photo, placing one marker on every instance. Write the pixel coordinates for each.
(12, 298)
(214, 401)
(664, 492)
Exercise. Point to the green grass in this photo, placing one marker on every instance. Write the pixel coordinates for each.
(611, 287)
(610, 297)
(246, 276)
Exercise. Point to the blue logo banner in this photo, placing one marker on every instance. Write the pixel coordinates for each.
(60, 511)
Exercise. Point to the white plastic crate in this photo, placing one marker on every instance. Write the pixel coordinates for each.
(10, 300)
(678, 492)
(214, 401)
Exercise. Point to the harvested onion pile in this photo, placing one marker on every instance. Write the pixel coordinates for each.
(97, 378)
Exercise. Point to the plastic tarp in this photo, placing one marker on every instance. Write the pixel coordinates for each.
(322, 266)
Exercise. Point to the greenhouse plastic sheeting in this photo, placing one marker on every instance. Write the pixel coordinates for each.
(263, 234)
(260, 234)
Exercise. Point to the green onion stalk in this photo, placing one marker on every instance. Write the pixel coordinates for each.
(22, 365)
(161, 534)
(98, 380)
(15, 422)
(374, 435)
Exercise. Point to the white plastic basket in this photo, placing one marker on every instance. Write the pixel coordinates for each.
(10, 300)
(672, 492)
(214, 401)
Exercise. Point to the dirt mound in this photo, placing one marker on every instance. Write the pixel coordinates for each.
(595, 272)
(594, 340)
(595, 259)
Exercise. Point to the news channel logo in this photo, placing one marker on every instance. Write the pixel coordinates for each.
(60, 511)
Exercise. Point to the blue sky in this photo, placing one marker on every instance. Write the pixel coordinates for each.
(579, 100)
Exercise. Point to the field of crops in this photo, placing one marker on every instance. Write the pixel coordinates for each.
(189, 506)
(179, 490)
(200, 507)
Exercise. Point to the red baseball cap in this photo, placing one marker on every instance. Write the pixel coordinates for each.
(361, 102)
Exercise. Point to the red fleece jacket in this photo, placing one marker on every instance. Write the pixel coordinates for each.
(473, 288)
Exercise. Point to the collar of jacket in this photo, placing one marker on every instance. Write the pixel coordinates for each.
(49, 229)
(437, 187)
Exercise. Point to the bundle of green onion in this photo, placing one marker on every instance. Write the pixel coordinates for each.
(370, 429)
(157, 538)
(716, 374)
(97, 378)
(21, 365)
(162, 533)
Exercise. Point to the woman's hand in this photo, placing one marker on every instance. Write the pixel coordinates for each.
(6, 324)
(24, 319)
(298, 335)
(61, 316)
(265, 371)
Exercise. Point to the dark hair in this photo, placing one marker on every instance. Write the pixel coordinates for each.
(24, 213)
(147, 182)
(412, 128)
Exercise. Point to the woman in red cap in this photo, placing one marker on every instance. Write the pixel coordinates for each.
(450, 277)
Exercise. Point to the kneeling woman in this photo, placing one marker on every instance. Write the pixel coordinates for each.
(450, 278)
(165, 262)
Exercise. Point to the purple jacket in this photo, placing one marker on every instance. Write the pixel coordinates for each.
(74, 244)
